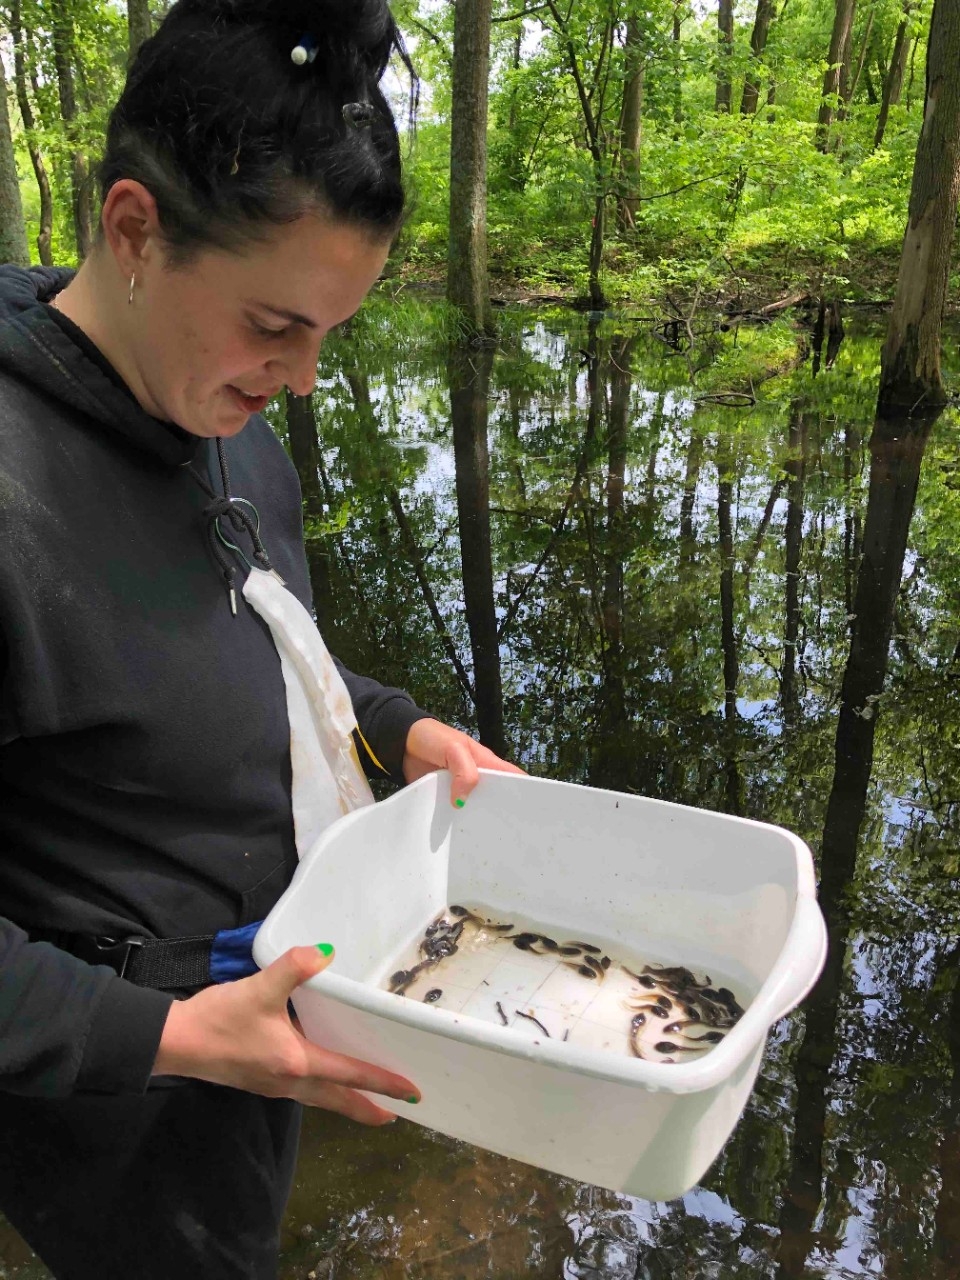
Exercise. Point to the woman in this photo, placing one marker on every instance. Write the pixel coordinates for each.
(251, 189)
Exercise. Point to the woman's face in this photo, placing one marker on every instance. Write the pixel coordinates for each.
(213, 341)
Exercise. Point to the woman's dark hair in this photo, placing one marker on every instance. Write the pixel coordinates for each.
(232, 138)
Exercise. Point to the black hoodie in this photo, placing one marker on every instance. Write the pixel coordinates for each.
(144, 742)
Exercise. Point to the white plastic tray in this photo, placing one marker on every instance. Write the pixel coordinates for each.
(662, 881)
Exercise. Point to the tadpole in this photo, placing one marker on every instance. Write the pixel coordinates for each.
(524, 941)
(665, 1046)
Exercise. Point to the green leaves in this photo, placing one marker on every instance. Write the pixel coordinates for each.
(718, 196)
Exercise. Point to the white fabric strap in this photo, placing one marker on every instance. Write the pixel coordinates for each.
(328, 781)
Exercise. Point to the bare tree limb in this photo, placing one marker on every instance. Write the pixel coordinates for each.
(661, 195)
(432, 35)
(522, 13)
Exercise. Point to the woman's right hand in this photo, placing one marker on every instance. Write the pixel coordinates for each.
(241, 1034)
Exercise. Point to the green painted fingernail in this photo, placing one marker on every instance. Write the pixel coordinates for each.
(413, 1098)
(459, 803)
(325, 948)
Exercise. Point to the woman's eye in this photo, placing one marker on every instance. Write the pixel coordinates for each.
(264, 332)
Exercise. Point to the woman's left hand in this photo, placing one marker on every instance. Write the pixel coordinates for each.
(432, 745)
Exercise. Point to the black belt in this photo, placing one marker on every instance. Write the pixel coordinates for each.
(168, 964)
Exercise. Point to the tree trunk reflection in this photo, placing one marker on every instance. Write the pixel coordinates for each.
(305, 452)
(896, 454)
(728, 634)
(796, 471)
(469, 370)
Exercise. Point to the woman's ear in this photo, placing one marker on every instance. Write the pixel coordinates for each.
(131, 225)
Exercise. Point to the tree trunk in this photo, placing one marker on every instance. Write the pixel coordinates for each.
(872, 96)
(514, 161)
(862, 60)
(894, 81)
(724, 55)
(515, 52)
(80, 173)
(913, 68)
(468, 287)
(677, 68)
(138, 26)
(910, 366)
(469, 372)
(13, 235)
(45, 234)
(766, 12)
(631, 119)
(592, 108)
(837, 75)
(598, 299)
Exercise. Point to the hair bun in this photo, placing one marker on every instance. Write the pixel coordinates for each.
(242, 115)
(366, 25)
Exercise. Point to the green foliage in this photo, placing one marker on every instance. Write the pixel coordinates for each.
(722, 203)
(98, 50)
(747, 356)
(725, 201)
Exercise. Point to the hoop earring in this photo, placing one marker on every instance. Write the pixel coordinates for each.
(133, 281)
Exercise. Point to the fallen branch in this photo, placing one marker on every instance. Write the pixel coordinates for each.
(771, 308)
(735, 399)
(783, 303)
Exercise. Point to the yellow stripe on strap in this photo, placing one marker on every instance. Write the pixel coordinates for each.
(369, 750)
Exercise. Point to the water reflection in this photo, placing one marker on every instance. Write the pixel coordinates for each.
(468, 371)
(896, 453)
(751, 611)
(699, 605)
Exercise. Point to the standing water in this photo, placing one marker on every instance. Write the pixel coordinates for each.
(581, 992)
(625, 582)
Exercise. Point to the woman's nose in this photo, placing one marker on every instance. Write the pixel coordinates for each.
(302, 384)
(298, 368)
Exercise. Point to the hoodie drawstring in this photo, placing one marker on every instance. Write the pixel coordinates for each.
(241, 520)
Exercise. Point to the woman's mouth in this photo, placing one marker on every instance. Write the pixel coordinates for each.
(249, 404)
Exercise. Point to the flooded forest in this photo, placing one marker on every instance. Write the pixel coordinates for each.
(622, 506)
(579, 547)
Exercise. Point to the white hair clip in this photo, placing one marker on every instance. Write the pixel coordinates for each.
(305, 51)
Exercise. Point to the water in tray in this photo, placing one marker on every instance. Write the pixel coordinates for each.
(542, 986)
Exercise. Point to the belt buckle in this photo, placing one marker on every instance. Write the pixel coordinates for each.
(116, 952)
